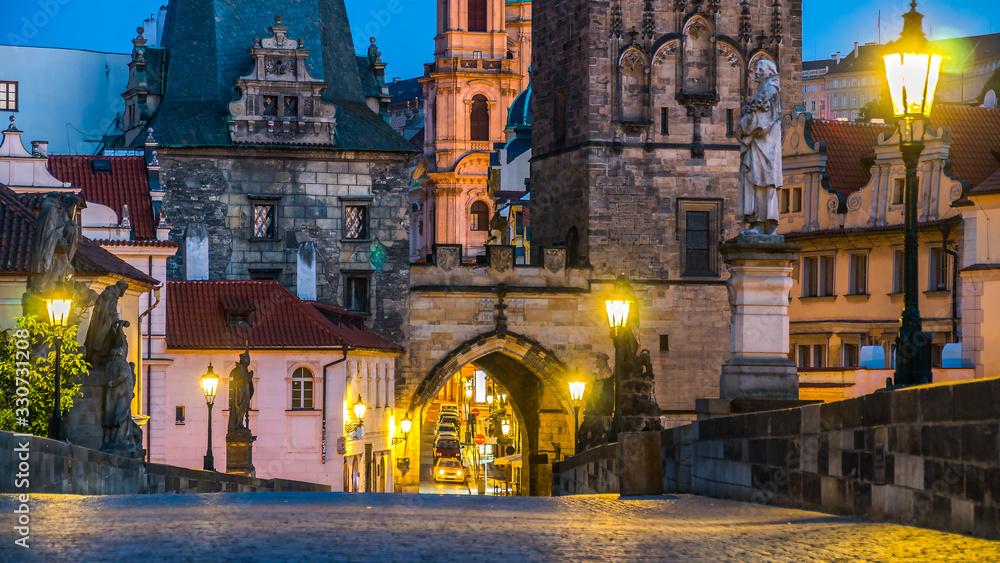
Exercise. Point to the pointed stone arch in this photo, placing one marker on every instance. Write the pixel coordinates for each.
(539, 360)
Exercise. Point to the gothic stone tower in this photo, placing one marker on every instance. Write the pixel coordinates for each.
(481, 59)
(635, 160)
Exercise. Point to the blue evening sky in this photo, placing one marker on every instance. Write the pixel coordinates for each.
(404, 29)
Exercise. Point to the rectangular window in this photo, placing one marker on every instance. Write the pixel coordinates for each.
(8, 95)
(818, 276)
(859, 274)
(784, 194)
(696, 246)
(519, 223)
(178, 414)
(796, 200)
(805, 356)
(477, 54)
(477, 15)
(812, 105)
(264, 220)
(836, 103)
(854, 100)
(850, 355)
(664, 343)
(356, 293)
(271, 105)
(937, 268)
(291, 104)
(664, 123)
(356, 222)
(559, 112)
(730, 122)
(897, 271)
(898, 185)
(936, 351)
(819, 356)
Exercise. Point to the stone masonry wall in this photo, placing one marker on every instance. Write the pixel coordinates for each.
(928, 456)
(61, 468)
(215, 188)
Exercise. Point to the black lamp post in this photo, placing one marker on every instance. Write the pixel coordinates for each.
(912, 69)
(618, 309)
(209, 384)
(58, 313)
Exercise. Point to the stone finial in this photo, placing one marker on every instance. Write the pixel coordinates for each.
(302, 43)
(154, 161)
(12, 128)
(149, 136)
(139, 31)
(126, 222)
(277, 19)
(163, 217)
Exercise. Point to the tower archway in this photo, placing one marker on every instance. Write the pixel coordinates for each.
(536, 382)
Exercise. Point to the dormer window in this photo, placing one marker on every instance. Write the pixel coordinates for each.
(100, 166)
(238, 318)
(271, 106)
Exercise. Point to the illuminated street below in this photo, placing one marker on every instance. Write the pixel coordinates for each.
(383, 527)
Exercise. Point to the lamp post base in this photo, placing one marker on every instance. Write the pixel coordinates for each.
(913, 357)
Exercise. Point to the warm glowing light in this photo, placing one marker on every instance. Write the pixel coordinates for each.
(912, 68)
(505, 427)
(503, 397)
(458, 473)
(912, 81)
(576, 389)
(59, 311)
(359, 408)
(617, 312)
(210, 384)
(405, 425)
(440, 471)
(489, 399)
(468, 388)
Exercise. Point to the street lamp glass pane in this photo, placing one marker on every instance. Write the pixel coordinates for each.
(210, 384)
(405, 425)
(617, 312)
(912, 81)
(58, 311)
(359, 409)
(576, 389)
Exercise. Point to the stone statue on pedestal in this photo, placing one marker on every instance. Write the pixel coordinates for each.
(242, 392)
(760, 153)
(120, 431)
(102, 334)
(54, 242)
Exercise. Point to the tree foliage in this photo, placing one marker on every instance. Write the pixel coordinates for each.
(27, 380)
(878, 108)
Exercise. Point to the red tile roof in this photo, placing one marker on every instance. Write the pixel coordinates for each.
(975, 137)
(125, 184)
(351, 327)
(196, 319)
(17, 224)
(990, 185)
(846, 144)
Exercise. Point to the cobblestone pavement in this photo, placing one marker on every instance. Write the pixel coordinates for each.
(386, 527)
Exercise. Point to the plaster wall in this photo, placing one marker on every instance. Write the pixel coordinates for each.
(79, 125)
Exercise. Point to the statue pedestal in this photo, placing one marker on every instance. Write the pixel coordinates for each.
(759, 283)
(239, 454)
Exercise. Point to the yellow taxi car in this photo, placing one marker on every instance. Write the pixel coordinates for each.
(449, 469)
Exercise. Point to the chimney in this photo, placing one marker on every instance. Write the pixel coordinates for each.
(855, 49)
(40, 148)
(836, 57)
(396, 79)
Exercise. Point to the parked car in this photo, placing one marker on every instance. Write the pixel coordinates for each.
(449, 469)
(447, 428)
(448, 419)
(447, 434)
(449, 408)
(447, 447)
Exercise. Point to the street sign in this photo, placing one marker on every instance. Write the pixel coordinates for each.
(480, 439)
(475, 412)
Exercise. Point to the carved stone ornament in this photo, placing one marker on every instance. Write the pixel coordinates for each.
(833, 204)
(730, 53)
(668, 48)
(554, 259)
(448, 257)
(501, 258)
(278, 102)
(854, 202)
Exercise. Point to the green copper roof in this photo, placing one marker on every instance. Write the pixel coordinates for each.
(207, 42)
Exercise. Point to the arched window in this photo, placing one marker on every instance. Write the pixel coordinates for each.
(480, 216)
(302, 389)
(479, 119)
(477, 15)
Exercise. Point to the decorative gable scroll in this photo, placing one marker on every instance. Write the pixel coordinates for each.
(278, 102)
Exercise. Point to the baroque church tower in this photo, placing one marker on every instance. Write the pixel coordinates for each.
(481, 58)
(635, 159)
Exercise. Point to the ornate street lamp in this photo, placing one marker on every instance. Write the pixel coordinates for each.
(359, 413)
(209, 384)
(404, 429)
(58, 308)
(505, 427)
(912, 69)
(576, 389)
(618, 307)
